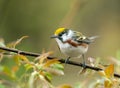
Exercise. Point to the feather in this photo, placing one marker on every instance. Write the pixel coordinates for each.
(87, 40)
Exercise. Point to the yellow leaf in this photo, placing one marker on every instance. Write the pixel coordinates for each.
(102, 73)
(50, 62)
(24, 58)
(19, 40)
(54, 71)
(29, 66)
(109, 71)
(13, 44)
(2, 43)
(65, 86)
(108, 83)
(16, 59)
(43, 57)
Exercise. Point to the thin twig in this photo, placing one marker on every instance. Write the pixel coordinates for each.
(61, 60)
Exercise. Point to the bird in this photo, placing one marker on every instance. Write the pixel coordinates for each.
(72, 43)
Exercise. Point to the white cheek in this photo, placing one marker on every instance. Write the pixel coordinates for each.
(65, 37)
(68, 36)
(71, 33)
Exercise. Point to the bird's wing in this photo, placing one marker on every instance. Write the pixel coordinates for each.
(87, 40)
(80, 38)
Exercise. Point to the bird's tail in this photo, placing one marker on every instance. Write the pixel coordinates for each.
(93, 38)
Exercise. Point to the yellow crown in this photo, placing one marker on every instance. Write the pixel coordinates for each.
(59, 30)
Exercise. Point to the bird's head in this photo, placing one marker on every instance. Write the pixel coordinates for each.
(61, 34)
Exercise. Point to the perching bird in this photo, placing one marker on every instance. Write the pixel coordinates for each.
(72, 43)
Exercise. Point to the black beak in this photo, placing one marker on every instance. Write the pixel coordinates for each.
(54, 36)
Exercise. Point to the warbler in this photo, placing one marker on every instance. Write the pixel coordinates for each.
(72, 43)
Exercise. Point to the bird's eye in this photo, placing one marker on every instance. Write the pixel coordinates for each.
(64, 32)
(61, 33)
(81, 38)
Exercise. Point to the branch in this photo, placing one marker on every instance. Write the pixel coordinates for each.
(61, 60)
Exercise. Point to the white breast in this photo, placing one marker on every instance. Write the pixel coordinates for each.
(70, 50)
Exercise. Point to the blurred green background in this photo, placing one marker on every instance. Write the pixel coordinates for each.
(40, 18)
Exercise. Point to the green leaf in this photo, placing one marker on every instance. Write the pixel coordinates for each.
(118, 54)
(28, 66)
(1, 68)
(48, 76)
(2, 86)
(7, 70)
(51, 62)
(58, 66)
(17, 59)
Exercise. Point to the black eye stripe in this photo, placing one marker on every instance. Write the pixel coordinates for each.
(65, 31)
(60, 35)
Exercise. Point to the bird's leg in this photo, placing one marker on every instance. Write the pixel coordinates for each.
(84, 66)
(67, 60)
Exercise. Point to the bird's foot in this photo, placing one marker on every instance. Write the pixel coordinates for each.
(84, 66)
(67, 60)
